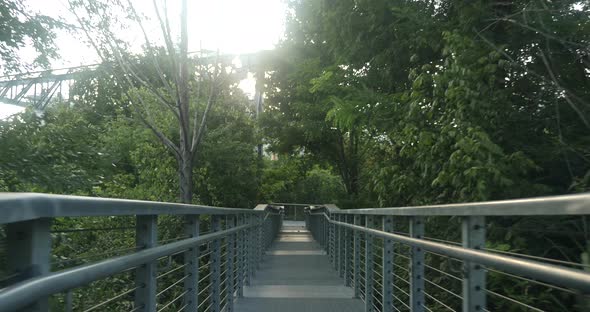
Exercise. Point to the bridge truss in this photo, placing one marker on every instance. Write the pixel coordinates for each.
(37, 89)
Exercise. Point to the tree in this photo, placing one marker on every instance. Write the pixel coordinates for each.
(19, 28)
(301, 93)
(94, 147)
(453, 101)
(292, 179)
(182, 87)
(445, 101)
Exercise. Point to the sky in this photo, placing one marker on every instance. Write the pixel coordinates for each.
(230, 26)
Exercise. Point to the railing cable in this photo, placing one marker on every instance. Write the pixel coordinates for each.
(514, 301)
(111, 299)
(173, 301)
(172, 285)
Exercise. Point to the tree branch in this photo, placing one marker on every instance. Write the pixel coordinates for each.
(565, 95)
(196, 115)
(197, 136)
(165, 27)
(87, 33)
(126, 65)
(161, 136)
(150, 49)
(528, 70)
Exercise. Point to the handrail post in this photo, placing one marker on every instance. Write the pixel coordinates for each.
(341, 244)
(333, 242)
(255, 243)
(264, 232)
(268, 231)
(328, 237)
(347, 252)
(336, 240)
(369, 266)
(69, 304)
(357, 258)
(240, 254)
(474, 278)
(249, 247)
(322, 231)
(417, 267)
(279, 224)
(316, 229)
(271, 230)
(270, 227)
(191, 259)
(310, 225)
(326, 234)
(332, 239)
(276, 220)
(327, 231)
(145, 275)
(259, 240)
(387, 264)
(256, 250)
(29, 251)
(215, 266)
(230, 265)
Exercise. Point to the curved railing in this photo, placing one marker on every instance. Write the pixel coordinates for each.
(437, 258)
(67, 253)
(200, 260)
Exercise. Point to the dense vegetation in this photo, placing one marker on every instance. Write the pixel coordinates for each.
(416, 102)
(407, 103)
(368, 103)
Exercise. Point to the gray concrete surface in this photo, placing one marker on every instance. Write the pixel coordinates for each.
(296, 275)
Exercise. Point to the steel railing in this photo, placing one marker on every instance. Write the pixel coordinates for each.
(181, 258)
(438, 258)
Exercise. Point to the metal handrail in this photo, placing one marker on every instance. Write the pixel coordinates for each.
(576, 279)
(578, 204)
(27, 292)
(363, 252)
(15, 207)
(28, 217)
(295, 204)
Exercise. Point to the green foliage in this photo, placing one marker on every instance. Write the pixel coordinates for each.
(426, 102)
(22, 28)
(292, 180)
(96, 147)
(55, 153)
(422, 103)
(370, 103)
(228, 168)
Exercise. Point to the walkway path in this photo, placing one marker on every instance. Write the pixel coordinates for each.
(296, 275)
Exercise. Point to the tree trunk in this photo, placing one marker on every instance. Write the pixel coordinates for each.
(348, 165)
(186, 159)
(185, 173)
(353, 183)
